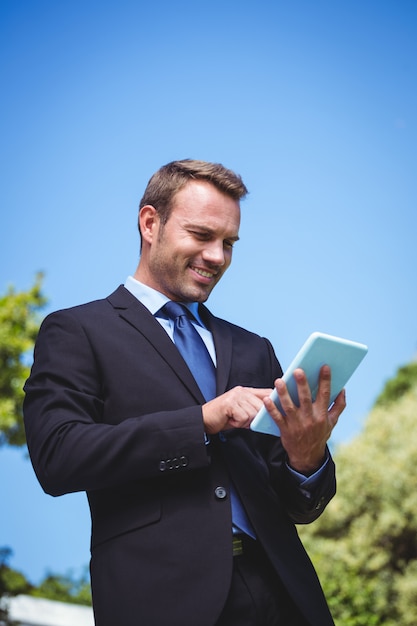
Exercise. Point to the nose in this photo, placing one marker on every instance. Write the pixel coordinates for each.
(214, 253)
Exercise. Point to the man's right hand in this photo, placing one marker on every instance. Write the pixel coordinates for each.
(234, 409)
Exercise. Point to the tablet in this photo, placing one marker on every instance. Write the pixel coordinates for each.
(341, 355)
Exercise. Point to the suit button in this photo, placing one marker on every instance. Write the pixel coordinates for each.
(220, 493)
(174, 463)
(162, 466)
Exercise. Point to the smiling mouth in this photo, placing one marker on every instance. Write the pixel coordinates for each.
(204, 273)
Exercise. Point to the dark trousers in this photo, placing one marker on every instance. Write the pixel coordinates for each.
(257, 597)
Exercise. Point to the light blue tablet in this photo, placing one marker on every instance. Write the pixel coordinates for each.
(341, 355)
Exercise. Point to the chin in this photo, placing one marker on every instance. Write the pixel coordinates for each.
(195, 293)
(199, 296)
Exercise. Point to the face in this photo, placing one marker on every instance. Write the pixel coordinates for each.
(185, 258)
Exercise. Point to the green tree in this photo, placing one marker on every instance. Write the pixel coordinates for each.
(11, 584)
(405, 379)
(19, 324)
(69, 588)
(365, 545)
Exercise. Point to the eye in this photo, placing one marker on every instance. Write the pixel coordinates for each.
(229, 243)
(203, 236)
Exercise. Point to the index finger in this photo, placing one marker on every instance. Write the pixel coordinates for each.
(260, 393)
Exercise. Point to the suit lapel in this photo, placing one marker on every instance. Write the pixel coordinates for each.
(223, 344)
(137, 315)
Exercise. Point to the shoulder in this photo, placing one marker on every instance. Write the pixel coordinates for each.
(217, 324)
(92, 313)
(120, 298)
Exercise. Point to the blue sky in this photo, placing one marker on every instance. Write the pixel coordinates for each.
(314, 103)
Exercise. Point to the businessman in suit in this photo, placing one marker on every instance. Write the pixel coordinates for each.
(193, 514)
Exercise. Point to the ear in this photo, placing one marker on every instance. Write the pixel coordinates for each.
(149, 222)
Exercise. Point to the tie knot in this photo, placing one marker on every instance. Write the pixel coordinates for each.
(175, 310)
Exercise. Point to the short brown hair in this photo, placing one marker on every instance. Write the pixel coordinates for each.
(170, 178)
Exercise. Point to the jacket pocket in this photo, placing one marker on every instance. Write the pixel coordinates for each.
(116, 512)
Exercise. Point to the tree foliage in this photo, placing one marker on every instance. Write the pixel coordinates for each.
(405, 379)
(365, 545)
(68, 588)
(19, 323)
(63, 588)
(11, 584)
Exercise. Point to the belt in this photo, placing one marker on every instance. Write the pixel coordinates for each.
(242, 543)
(237, 545)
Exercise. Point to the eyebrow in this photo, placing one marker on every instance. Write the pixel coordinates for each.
(209, 231)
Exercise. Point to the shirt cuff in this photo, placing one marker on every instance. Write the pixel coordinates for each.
(306, 484)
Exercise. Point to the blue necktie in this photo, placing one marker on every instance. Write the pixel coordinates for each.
(192, 348)
(195, 354)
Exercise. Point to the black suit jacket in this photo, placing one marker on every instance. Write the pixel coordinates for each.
(111, 408)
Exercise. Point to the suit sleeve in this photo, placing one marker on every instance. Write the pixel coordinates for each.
(302, 505)
(71, 447)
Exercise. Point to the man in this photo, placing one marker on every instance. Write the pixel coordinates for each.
(192, 513)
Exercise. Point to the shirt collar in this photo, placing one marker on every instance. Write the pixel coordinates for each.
(154, 300)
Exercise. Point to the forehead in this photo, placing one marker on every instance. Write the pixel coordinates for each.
(201, 202)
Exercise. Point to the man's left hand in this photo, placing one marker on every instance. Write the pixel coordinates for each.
(306, 429)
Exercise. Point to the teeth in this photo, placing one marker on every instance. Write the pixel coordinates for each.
(203, 273)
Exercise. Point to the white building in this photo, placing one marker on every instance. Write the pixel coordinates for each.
(29, 611)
